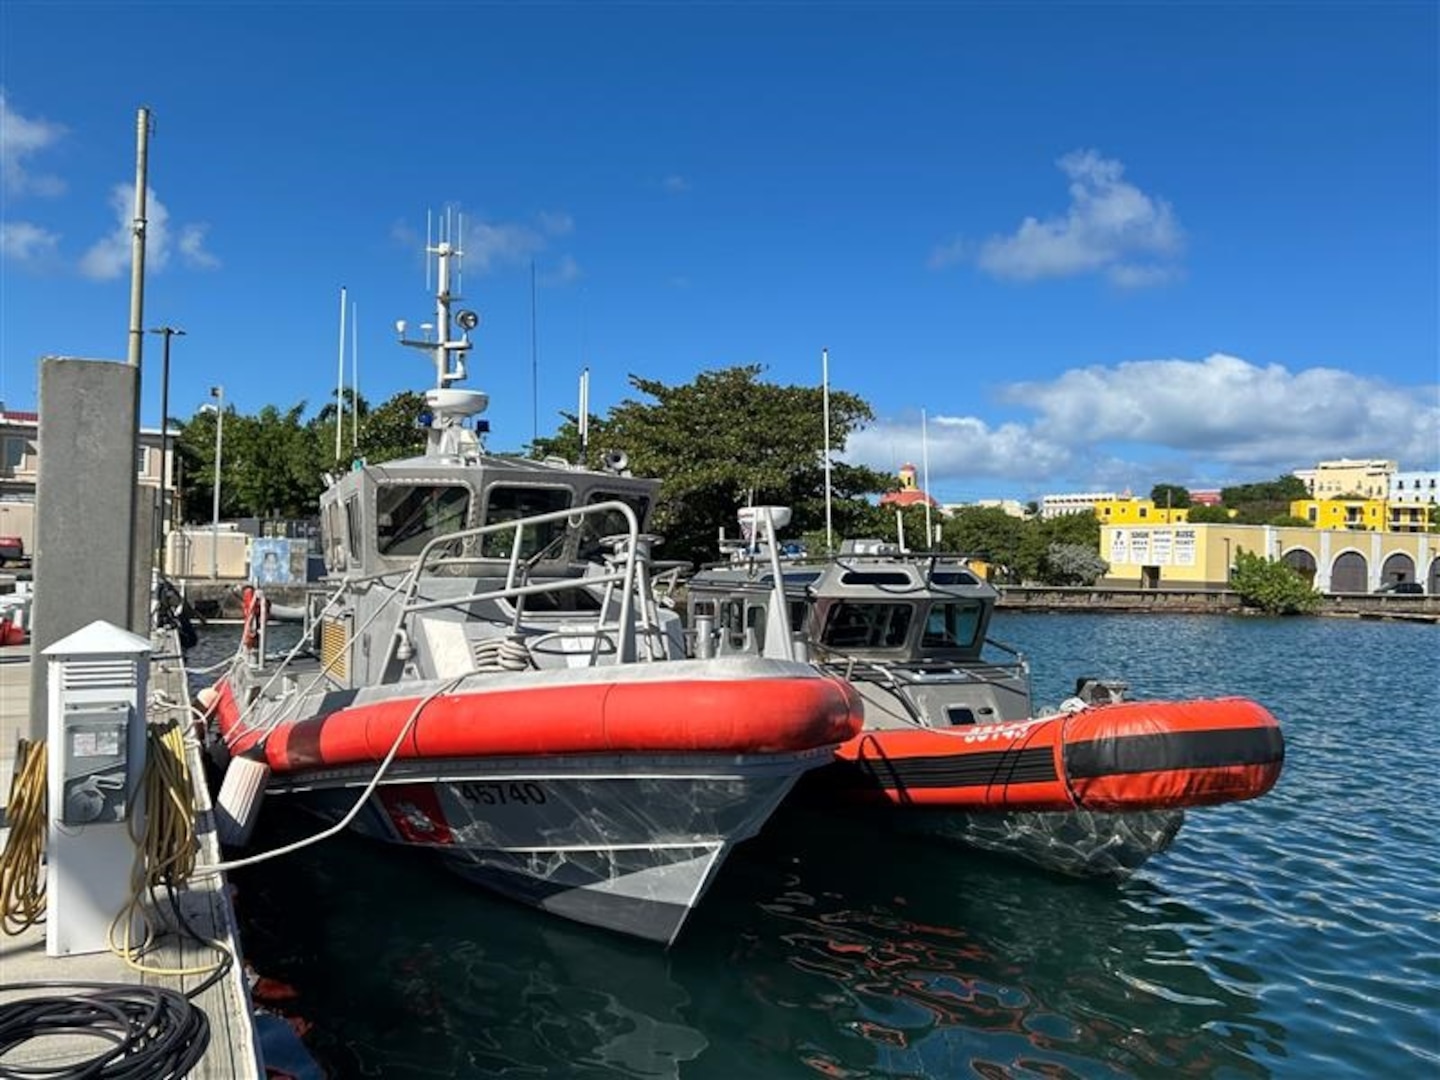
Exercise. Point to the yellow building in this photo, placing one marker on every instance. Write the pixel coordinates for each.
(1364, 514)
(1336, 479)
(1138, 512)
(1368, 515)
(1200, 556)
(1409, 517)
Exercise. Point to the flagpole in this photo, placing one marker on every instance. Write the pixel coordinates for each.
(340, 381)
(925, 469)
(355, 378)
(825, 397)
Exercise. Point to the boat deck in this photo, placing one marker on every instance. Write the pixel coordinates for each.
(232, 1051)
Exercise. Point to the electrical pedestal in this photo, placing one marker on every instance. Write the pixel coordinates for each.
(96, 734)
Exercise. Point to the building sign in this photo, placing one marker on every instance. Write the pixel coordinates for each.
(1140, 547)
(1184, 547)
(1161, 543)
(1119, 547)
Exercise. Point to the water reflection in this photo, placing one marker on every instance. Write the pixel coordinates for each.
(407, 971)
(945, 965)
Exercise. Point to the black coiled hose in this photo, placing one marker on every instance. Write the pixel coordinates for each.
(153, 1033)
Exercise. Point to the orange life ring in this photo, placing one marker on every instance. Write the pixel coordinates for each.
(251, 602)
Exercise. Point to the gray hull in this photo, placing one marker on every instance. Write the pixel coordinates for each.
(625, 842)
(1080, 843)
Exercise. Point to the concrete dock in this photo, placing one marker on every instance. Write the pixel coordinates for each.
(233, 1051)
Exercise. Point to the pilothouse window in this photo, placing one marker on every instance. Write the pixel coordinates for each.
(509, 503)
(951, 626)
(611, 523)
(409, 516)
(866, 626)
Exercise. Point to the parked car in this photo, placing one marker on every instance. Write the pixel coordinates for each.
(1405, 588)
(12, 549)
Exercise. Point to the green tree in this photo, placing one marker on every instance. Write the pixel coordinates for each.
(1037, 538)
(1071, 564)
(1209, 515)
(1172, 496)
(989, 533)
(271, 464)
(1259, 504)
(1273, 587)
(1284, 489)
(393, 430)
(194, 450)
(727, 438)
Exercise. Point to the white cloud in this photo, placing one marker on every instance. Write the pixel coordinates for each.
(20, 139)
(563, 272)
(492, 245)
(192, 247)
(958, 446)
(109, 257)
(1196, 422)
(25, 242)
(675, 184)
(1110, 227)
(489, 245)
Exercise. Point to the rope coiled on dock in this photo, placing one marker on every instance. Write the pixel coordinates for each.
(149, 1033)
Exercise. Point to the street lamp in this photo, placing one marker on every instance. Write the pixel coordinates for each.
(218, 393)
(167, 332)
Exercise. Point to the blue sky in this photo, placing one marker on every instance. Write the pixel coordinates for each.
(1100, 246)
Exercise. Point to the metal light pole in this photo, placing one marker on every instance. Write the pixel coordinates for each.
(167, 332)
(218, 393)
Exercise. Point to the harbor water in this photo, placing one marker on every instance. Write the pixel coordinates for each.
(1296, 935)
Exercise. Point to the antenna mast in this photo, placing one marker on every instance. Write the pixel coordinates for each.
(534, 365)
(355, 376)
(825, 397)
(340, 381)
(584, 418)
(925, 470)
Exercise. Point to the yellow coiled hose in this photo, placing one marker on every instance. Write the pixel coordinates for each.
(22, 865)
(164, 851)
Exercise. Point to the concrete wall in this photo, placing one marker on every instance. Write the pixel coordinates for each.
(85, 523)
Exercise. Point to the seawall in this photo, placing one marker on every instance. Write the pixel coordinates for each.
(1205, 601)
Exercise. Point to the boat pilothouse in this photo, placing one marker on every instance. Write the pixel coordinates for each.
(952, 744)
(492, 677)
(878, 615)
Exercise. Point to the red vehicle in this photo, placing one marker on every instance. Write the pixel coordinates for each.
(12, 549)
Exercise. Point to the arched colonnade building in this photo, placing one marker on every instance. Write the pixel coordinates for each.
(1185, 555)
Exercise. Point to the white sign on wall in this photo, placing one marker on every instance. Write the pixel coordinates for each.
(1119, 547)
(1140, 546)
(1161, 543)
(1184, 547)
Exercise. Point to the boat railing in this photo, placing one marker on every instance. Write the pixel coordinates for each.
(625, 568)
(243, 725)
(1021, 661)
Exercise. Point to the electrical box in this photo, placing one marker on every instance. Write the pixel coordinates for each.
(94, 767)
(95, 719)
